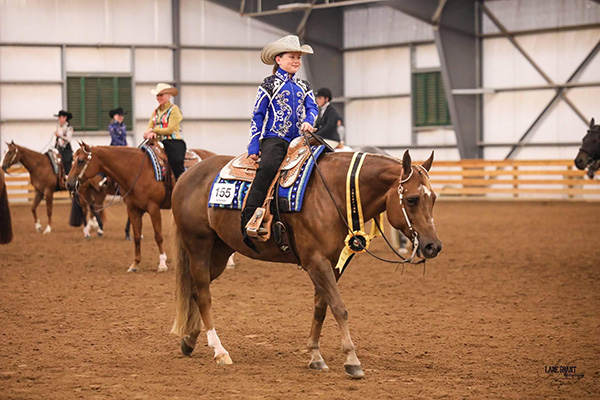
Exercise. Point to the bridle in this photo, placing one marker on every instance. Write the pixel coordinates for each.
(356, 240)
(82, 173)
(14, 156)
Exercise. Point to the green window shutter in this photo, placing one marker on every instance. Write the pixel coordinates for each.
(428, 100)
(91, 98)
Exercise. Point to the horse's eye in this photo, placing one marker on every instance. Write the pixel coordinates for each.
(80, 161)
(412, 201)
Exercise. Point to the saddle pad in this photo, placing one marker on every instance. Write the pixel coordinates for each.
(53, 160)
(230, 193)
(159, 173)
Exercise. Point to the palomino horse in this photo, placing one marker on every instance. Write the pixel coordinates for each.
(43, 179)
(5, 222)
(205, 237)
(589, 152)
(131, 168)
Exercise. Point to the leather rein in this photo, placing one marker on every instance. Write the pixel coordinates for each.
(356, 241)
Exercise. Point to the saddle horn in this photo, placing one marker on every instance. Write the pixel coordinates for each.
(592, 123)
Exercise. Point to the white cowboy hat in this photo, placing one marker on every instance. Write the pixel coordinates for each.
(164, 88)
(286, 44)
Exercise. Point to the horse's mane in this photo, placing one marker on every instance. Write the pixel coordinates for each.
(386, 157)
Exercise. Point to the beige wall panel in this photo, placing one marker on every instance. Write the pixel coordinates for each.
(586, 100)
(560, 124)
(505, 67)
(420, 155)
(98, 60)
(223, 66)
(23, 63)
(154, 65)
(90, 21)
(36, 136)
(559, 54)
(377, 72)
(426, 56)
(204, 23)
(30, 101)
(378, 122)
(218, 101)
(436, 136)
(507, 115)
(230, 138)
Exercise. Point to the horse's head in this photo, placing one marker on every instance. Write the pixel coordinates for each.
(410, 207)
(590, 147)
(84, 166)
(12, 156)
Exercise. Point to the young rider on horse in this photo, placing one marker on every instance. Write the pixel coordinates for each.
(117, 129)
(164, 125)
(64, 134)
(284, 108)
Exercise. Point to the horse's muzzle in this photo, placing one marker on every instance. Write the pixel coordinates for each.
(582, 160)
(71, 187)
(431, 249)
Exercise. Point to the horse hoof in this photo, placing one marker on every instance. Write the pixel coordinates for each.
(132, 269)
(162, 269)
(185, 349)
(100, 232)
(318, 365)
(87, 237)
(47, 230)
(223, 359)
(354, 371)
(127, 237)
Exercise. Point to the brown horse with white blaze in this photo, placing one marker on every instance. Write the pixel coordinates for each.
(131, 168)
(205, 237)
(44, 180)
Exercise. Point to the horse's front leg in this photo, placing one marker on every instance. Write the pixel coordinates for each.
(49, 198)
(321, 273)
(316, 361)
(135, 216)
(154, 211)
(36, 201)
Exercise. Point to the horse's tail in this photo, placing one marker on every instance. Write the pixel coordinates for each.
(77, 218)
(6, 234)
(187, 314)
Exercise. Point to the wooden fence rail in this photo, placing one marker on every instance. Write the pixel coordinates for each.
(516, 179)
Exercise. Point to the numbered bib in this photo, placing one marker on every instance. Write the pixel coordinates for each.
(222, 193)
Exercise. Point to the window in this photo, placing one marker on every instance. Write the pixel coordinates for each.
(90, 99)
(429, 100)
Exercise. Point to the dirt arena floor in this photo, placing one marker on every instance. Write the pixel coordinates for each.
(512, 300)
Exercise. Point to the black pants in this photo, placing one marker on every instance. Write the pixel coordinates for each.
(175, 150)
(273, 151)
(66, 155)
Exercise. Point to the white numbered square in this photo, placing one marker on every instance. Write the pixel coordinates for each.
(222, 193)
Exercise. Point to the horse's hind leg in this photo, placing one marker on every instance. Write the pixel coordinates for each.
(135, 216)
(321, 273)
(316, 361)
(36, 201)
(207, 262)
(154, 212)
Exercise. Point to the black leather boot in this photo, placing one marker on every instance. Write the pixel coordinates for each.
(247, 214)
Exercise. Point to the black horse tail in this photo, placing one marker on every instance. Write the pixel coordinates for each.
(77, 218)
(6, 233)
(187, 314)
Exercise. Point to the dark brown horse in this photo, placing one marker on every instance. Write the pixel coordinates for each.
(44, 181)
(5, 222)
(205, 237)
(589, 152)
(131, 168)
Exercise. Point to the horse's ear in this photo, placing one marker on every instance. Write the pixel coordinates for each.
(592, 123)
(406, 165)
(428, 162)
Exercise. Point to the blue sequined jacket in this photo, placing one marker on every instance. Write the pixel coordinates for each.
(282, 105)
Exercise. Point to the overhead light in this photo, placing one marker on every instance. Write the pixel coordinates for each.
(295, 6)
